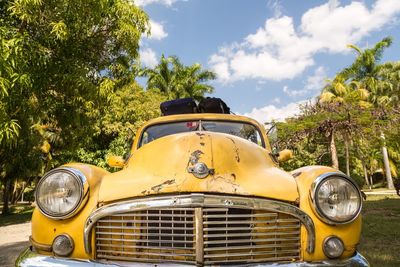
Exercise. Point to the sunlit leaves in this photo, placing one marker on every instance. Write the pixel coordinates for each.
(59, 29)
(176, 80)
(9, 132)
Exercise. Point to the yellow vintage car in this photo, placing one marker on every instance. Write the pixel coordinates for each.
(197, 189)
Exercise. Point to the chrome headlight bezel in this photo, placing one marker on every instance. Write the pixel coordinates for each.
(313, 198)
(83, 193)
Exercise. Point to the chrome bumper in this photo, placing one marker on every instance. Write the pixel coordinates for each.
(28, 258)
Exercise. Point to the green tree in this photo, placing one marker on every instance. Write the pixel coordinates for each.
(59, 61)
(176, 80)
(116, 125)
(367, 70)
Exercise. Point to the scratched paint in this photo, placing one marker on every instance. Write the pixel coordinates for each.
(236, 149)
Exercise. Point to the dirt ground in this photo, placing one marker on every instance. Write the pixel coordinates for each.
(13, 239)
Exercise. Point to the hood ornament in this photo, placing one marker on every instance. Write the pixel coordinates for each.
(200, 170)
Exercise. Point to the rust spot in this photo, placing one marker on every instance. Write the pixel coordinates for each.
(157, 188)
(233, 176)
(195, 156)
(224, 184)
(200, 134)
(296, 174)
(236, 149)
(202, 144)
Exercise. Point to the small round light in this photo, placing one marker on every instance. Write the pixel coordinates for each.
(333, 247)
(336, 198)
(63, 245)
(60, 192)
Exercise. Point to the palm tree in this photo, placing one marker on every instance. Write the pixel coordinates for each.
(192, 81)
(346, 96)
(176, 80)
(368, 72)
(161, 77)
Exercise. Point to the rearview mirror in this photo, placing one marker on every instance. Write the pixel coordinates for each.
(285, 155)
(116, 161)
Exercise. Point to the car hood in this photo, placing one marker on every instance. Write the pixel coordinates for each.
(238, 167)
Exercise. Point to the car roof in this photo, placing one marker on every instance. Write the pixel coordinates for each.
(199, 116)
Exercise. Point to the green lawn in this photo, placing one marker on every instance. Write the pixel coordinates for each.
(20, 213)
(380, 242)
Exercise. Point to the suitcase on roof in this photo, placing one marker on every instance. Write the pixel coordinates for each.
(213, 105)
(178, 106)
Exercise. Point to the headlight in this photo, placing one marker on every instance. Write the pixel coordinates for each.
(61, 192)
(336, 198)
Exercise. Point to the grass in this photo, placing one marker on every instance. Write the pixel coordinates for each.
(380, 241)
(19, 213)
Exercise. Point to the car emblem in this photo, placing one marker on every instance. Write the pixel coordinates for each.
(200, 170)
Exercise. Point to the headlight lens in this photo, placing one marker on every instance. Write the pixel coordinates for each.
(60, 192)
(336, 198)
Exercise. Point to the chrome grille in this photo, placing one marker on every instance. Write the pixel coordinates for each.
(234, 235)
(202, 235)
(152, 235)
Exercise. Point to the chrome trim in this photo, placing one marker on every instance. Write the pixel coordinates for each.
(198, 215)
(39, 246)
(29, 258)
(313, 191)
(84, 192)
(195, 201)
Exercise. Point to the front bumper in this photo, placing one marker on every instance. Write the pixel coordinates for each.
(28, 258)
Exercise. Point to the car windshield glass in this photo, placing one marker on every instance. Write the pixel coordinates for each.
(240, 129)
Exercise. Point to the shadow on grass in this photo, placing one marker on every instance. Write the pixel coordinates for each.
(380, 241)
(19, 213)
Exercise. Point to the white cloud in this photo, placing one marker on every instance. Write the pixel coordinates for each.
(272, 112)
(316, 81)
(314, 84)
(148, 57)
(149, 2)
(276, 7)
(157, 31)
(280, 50)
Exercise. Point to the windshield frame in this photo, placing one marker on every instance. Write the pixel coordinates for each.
(257, 128)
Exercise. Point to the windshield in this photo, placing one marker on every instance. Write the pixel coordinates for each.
(240, 129)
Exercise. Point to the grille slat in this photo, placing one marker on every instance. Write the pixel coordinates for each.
(140, 234)
(254, 247)
(142, 247)
(225, 235)
(253, 234)
(249, 254)
(230, 241)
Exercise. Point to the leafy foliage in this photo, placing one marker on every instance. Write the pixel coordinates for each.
(175, 80)
(58, 60)
(354, 111)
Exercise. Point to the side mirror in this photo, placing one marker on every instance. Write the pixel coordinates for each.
(285, 155)
(116, 161)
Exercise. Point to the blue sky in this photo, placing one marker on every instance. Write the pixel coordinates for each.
(269, 55)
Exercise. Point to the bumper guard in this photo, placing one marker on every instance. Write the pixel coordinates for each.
(28, 258)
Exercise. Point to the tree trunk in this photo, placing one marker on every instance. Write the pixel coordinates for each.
(346, 146)
(13, 197)
(386, 163)
(332, 148)
(366, 175)
(371, 183)
(6, 195)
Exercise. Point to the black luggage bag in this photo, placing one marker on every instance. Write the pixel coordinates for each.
(178, 106)
(213, 105)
